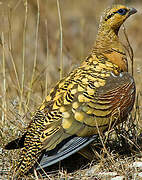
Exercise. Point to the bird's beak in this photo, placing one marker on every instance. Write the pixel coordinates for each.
(132, 11)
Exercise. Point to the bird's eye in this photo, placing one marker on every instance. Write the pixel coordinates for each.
(122, 11)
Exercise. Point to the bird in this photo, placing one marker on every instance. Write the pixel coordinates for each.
(92, 98)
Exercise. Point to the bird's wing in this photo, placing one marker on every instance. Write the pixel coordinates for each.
(109, 105)
(80, 105)
(65, 149)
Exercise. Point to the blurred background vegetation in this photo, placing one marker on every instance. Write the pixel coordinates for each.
(30, 53)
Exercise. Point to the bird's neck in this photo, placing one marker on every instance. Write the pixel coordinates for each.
(108, 44)
(107, 38)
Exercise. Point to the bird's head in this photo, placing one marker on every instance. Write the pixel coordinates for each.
(110, 23)
(116, 15)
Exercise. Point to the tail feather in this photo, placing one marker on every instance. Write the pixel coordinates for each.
(16, 144)
(27, 160)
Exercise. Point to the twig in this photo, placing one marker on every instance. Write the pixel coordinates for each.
(103, 143)
(4, 79)
(16, 6)
(47, 56)
(23, 56)
(10, 30)
(35, 55)
(137, 112)
(61, 40)
(129, 50)
(10, 48)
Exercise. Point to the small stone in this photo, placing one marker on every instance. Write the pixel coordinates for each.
(91, 171)
(106, 174)
(1, 151)
(118, 178)
(140, 174)
(137, 164)
(137, 176)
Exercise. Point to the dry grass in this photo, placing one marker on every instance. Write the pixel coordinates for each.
(41, 41)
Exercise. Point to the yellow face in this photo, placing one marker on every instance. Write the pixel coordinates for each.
(116, 15)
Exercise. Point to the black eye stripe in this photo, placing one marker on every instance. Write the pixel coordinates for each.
(109, 16)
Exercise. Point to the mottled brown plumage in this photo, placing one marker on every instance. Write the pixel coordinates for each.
(97, 95)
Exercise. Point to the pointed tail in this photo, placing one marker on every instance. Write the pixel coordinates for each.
(16, 144)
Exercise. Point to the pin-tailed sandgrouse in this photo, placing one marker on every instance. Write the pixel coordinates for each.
(93, 97)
